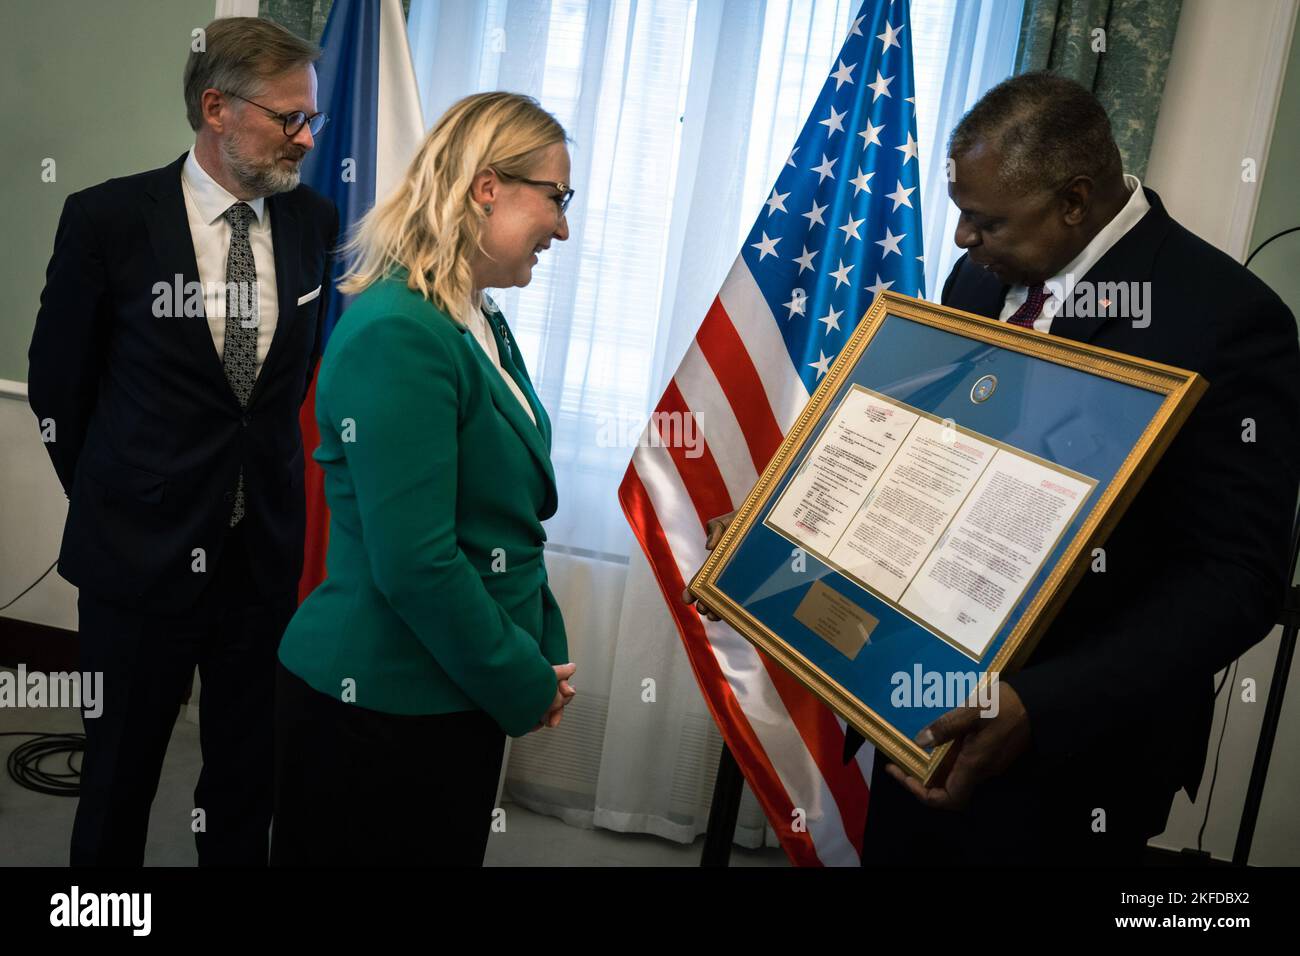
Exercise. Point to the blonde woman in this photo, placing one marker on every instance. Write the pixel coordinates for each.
(434, 634)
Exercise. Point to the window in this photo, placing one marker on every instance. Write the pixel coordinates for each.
(681, 114)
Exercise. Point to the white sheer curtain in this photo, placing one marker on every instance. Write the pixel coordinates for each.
(681, 114)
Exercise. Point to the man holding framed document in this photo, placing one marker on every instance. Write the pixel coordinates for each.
(954, 479)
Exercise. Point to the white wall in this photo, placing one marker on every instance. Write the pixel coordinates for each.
(32, 511)
(1277, 833)
(1220, 101)
(1219, 108)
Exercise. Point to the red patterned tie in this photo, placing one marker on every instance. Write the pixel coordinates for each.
(1025, 315)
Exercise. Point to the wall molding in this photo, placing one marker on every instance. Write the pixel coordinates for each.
(11, 389)
(40, 646)
(1219, 107)
(1263, 117)
(235, 8)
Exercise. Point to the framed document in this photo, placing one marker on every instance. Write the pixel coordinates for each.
(930, 511)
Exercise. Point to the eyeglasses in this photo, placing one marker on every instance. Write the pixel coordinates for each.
(294, 121)
(562, 200)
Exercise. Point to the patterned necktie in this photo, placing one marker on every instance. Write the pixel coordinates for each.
(1025, 315)
(239, 353)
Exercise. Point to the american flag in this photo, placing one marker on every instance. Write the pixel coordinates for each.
(842, 223)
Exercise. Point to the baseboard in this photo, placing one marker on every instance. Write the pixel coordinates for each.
(1160, 856)
(39, 646)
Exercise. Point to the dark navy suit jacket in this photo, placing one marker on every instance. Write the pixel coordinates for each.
(149, 436)
(1195, 570)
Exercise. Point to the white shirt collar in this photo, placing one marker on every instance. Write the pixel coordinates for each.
(1062, 284)
(210, 197)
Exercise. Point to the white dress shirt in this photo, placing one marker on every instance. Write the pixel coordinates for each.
(478, 327)
(206, 202)
(1061, 285)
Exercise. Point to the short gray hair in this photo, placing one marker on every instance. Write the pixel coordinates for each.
(239, 55)
(1048, 129)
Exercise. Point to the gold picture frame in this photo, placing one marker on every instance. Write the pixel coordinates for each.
(1179, 390)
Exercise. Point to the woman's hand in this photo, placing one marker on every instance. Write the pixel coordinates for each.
(715, 529)
(564, 692)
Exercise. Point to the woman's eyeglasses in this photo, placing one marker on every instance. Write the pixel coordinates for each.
(294, 121)
(562, 200)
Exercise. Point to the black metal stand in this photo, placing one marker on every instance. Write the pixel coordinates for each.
(723, 811)
(1272, 711)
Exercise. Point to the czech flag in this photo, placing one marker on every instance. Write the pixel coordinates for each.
(366, 84)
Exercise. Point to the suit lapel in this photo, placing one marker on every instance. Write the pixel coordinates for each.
(1129, 260)
(506, 403)
(507, 349)
(168, 226)
(286, 238)
(169, 233)
(992, 296)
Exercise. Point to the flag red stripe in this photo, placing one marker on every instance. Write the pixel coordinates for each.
(741, 383)
(813, 719)
(726, 710)
(700, 474)
(821, 732)
(316, 539)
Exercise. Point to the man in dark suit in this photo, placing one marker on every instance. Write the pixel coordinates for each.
(1112, 714)
(177, 334)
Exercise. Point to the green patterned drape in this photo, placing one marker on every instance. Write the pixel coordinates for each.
(304, 17)
(1128, 78)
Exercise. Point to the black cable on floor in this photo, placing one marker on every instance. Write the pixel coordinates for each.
(24, 764)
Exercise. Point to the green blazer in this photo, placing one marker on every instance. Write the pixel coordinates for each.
(436, 597)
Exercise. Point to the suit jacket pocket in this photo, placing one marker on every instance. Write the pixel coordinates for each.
(291, 478)
(293, 469)
(126, 480)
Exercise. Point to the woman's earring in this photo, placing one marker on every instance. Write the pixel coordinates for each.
(487, 209)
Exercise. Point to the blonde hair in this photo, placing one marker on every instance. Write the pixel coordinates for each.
(429, 224)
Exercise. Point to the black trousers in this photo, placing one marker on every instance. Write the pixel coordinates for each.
(148, 661)
(357, 787)
(1028, 816)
